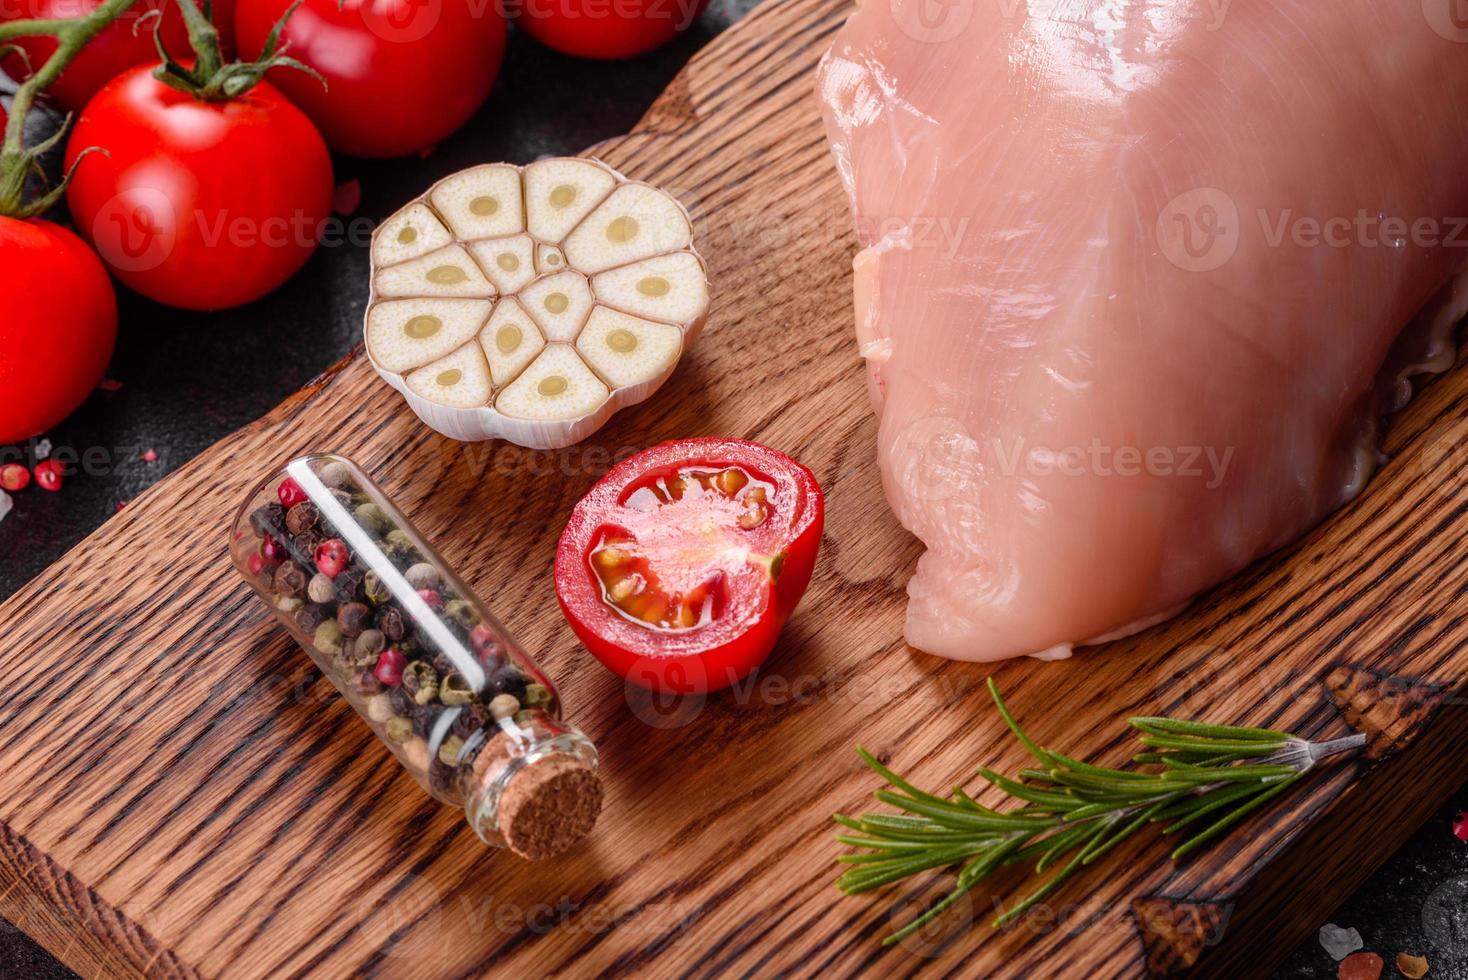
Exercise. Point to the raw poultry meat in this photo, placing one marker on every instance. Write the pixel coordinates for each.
(1139, 279)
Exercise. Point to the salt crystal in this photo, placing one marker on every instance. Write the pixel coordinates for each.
(1361, 966)
(1413, 967)
(151, 456)
(43, 450)
(1338, 942)
(6, 504)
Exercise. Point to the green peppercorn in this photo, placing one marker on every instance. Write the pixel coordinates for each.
(461, 612)
(288, 604)
(321, 589)
(373, 518)
(375, 589)
(398, 544)
(399, 730)
(328, 638)
(536, 695)
(454, 689)
(421, 681)
(448, 752)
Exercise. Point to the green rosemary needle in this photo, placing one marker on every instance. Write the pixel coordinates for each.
(1072, 813)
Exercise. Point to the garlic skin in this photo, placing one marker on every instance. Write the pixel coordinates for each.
(532, 303)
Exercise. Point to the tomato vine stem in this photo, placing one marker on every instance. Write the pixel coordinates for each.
(18, 163)
(209, 79)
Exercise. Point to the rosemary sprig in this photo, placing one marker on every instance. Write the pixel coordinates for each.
(1073, 813)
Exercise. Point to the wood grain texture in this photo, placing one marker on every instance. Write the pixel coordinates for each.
(182, 795)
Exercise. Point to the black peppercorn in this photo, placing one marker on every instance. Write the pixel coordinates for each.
(402, 701)
(390, 621)
(290, 580)
(310, 616)
(353, 618)
(350, 585)
(506, 680)
(425, 718)
(304, 546)
(267, 521)
(470, 719)
(365, 683)
(442, 777)
(302, 518)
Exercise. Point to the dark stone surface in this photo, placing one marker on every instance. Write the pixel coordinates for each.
(190, 379)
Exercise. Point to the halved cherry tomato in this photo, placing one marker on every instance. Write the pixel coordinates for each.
(682, 564)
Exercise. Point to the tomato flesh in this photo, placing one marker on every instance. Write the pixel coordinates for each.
(680, 567)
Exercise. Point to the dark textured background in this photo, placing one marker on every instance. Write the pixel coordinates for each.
(190, 379)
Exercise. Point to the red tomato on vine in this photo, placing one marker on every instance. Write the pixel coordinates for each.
(126, 42)
(402, 75)
(213, 190)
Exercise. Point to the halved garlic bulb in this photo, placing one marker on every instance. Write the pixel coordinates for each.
(531, 303)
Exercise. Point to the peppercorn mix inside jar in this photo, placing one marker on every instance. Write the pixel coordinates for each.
(417, 655)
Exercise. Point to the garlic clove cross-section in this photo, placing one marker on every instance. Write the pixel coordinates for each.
(447, 272)
(509, 262)
(559, 193)
(671, 288)
(530, 304)
(460, 380)
(559, 303)
(481, 202)
(412, 232)
(510, 341)
(408, 333)
(634, 222)
(627, 350)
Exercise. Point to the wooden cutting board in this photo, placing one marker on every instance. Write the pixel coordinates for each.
(183, 795)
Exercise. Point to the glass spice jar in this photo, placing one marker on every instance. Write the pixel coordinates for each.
(418, 656)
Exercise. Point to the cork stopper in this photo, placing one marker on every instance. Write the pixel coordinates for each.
(543, 805)
(549, 806)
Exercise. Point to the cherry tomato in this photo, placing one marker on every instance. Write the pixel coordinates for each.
(403, 74)
(607, 28)
(199, 205)
(682, 564)
(119, 46)
(59, 326)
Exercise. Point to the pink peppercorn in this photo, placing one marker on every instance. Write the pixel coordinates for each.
(290, 493)
(331, 557)
(390, 666)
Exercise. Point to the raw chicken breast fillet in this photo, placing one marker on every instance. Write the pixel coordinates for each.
(1139, 280)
